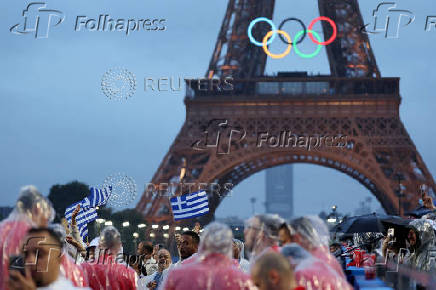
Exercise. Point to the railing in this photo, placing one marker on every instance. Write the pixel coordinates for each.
(292, 87)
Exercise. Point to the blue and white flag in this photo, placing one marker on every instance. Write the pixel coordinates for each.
(84, 217)
(190, 205)
(87, 212)
(97, 197)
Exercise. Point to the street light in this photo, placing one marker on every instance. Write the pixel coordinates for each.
(141, 226)
(108, 223)
(126, 224)
(135, 235)
(166, 227)
(155, 226)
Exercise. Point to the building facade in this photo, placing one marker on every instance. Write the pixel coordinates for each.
(279, 191)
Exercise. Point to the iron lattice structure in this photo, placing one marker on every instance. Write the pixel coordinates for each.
(234, 55)
(218, 143)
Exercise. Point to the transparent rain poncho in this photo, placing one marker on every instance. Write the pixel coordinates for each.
(423, 256)
(214, 268)
(244, 265)
(69, 266)
(313, 273)
(261, 234)
(31, 210)
(315, 236)
(108, 270)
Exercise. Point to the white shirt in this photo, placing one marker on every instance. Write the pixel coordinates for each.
(144, 280)
(150, 266)
(244, 265)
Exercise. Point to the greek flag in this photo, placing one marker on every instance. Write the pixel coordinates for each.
(87, 212)
(190, 205)
(84, 217)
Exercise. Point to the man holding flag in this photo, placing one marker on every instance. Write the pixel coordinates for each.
(87, 209)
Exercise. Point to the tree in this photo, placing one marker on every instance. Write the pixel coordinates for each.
(63, 196)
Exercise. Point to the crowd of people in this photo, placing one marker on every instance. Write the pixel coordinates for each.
(275, 254)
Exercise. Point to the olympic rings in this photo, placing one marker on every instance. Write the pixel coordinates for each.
(303, 55)
(299, 36)
(299, 21)
(265, 42)
(332, 23)
(250, 29)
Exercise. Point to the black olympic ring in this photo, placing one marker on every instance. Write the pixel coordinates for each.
(299, 21)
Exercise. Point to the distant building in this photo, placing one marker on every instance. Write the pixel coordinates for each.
(279, 191)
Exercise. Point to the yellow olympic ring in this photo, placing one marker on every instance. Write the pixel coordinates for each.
(265, 40)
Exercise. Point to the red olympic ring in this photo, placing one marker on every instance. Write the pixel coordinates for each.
(332, 23)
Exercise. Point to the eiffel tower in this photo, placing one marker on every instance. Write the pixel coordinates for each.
(353, 102)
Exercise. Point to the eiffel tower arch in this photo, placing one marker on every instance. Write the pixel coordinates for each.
(265, 121)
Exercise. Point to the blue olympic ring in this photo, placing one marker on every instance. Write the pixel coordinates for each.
(250, 28)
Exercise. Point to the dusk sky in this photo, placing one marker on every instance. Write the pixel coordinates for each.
(56, 125)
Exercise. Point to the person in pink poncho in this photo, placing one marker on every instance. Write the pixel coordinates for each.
(213, 268)
(31, 210)
(108, 271)
(311, 272)
(312, 233)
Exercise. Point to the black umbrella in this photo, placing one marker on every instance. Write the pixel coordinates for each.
(367, 223)
(418, 212)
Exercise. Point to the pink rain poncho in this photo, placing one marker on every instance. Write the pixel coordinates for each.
(214, 268)
(311, 272)
(315, 235)
(69, 267)
(31, 210)
(109, 271)
(261, 234)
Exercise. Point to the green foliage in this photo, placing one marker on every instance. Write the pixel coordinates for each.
(63, 196)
